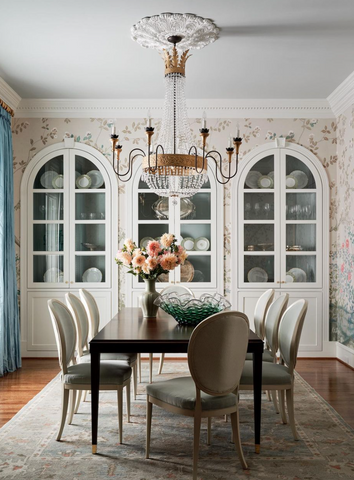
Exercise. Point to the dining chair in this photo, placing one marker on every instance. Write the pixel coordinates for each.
(180, 289)
(93, 315)
(280, 376)
(216, 355)
(79, 314)
(260, 312)
(76, 377)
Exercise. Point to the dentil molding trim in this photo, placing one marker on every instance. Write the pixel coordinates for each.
(343, 96)
(215, 108)
(8, 95)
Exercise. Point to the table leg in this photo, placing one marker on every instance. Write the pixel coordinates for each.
(257, 392)
(95, 383)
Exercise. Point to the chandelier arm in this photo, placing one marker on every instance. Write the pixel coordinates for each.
(218, 168)
(120, 175)
(131, 160)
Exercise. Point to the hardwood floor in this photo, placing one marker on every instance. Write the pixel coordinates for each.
(330, 378)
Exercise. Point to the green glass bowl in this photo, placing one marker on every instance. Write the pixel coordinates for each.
(190, 311)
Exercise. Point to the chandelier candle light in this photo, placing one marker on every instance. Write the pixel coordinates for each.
(176, 167)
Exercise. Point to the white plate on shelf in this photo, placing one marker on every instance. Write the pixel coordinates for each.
(291, 181)
(298, 274)
(290, 277)
(47, 178)
(92, 275)
(271, 175)
(188, 243)
(144, 241)
(257, 274)
(83, 181)
(202, 244)
(53, 275)
(58, 181)
(265, 181)
(252, 179)
(96, 178)
(301, 178)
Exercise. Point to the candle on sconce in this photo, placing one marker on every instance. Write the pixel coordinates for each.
(113, 129)
(149, 118)
(204, 120)
(238, 131)
(230, 141)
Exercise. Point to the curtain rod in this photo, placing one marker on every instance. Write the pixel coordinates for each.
(6, 107)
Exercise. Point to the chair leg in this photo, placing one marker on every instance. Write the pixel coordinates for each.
(139, 366)
(72, 406)
(135, 380)
(120, 413)
(85, 396)
(225, 418)
(78, 400)
(282, 406)
(127, 392)
(64, 411)
(237, 439)
(273, 394)
(148, 426)
(209, 431)
(290, 405)
(269, 396)
(197, 423)
(162, 359)
(150, 366)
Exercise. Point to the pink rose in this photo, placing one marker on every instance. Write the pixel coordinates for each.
(151, 263)
(138, 261)
(153, 248)
(168, 261)
(167, 239)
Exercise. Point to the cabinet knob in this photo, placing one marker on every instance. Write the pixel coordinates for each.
(178, 282)
(278, 281)
(66, 281)
(71, 282)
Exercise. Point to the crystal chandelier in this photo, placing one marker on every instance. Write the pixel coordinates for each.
(176, 167)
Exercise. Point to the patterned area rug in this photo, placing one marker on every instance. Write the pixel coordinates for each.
(29, 450)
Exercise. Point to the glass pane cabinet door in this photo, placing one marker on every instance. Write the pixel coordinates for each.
(258, 233)
(90, 231)
(301, 223)
(47, 242)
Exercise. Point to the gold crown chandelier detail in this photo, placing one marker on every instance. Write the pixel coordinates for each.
(176, 167)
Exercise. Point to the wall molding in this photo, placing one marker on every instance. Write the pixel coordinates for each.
(137, 108)
(8, 95)
(343, 96)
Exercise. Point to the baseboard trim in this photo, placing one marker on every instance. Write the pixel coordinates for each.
(345, 355)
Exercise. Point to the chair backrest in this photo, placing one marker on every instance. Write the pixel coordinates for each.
(290, 332)
(92, 311)
(272, 321)
(179, 289)
(65, 332)
(79, 314)
(260, 311)
(217, 351)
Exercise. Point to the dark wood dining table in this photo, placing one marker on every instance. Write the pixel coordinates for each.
(129, 332)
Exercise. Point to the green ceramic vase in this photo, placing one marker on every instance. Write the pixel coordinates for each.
(147, 299)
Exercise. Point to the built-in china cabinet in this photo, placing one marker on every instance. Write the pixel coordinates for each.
(197, 223)
(281, 229)
(69, 236)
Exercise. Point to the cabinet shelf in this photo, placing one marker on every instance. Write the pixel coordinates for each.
(198, 252)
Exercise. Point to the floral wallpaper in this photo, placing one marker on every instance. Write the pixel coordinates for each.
(318, 135)
(342, 261)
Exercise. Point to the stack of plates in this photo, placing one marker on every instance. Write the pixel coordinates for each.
(296, 275)
(297, 179)
(201, 244)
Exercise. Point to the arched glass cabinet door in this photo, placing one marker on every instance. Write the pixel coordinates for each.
(301, 221)
(48, 197)
(259, 235)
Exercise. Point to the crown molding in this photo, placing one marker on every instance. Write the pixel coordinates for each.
(137, 108)
(8, 95)
(343, 96)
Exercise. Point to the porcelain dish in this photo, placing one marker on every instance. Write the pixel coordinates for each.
(257, 274)
(53, 275)
(92, 275)
(47, 178)
(252, 179)
(96, 178)
(83, 181)
(201, 244)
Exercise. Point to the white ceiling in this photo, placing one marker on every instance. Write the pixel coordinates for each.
(291, 49)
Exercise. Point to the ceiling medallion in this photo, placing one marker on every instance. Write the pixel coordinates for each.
(176, 167)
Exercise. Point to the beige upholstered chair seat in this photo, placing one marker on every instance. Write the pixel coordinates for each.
(267, 356)
(110, 374)
(272, 374)
(180, 392)
(128, 358)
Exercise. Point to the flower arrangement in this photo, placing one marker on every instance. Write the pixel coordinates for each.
(157, 258)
